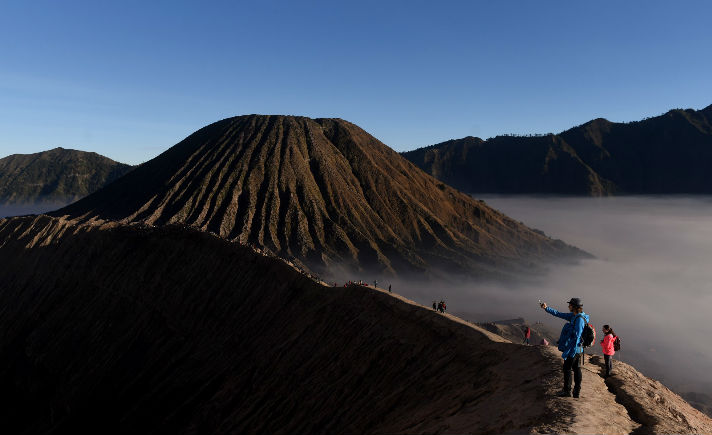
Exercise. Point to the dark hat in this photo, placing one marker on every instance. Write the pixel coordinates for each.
(576, 302)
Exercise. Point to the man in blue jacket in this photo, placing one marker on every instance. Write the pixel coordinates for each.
(570, 343)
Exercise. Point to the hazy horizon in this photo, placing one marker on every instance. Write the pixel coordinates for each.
(26, 209)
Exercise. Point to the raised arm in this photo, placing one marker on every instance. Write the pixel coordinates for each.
(553, 312)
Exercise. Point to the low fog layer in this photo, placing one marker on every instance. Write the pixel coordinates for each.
(651, 279)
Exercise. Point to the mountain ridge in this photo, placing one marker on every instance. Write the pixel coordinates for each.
(666, 154)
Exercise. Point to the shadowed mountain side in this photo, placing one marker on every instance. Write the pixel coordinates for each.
(671, 153)
(136, 330)
(319, 192)
(58, 176)
(507, 164)
(129, 329)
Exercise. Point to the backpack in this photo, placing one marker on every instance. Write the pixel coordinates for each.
(617, 344)
(587, 336)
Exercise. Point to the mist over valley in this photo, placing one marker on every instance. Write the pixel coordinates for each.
(650, 280)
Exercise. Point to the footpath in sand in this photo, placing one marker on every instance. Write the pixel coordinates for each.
(626, 403)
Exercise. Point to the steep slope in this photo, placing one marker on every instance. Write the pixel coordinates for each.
(167, 330)
(700, 401)
(318, 192)
(508, 164)
(58, 176)
(651, 404)
(134, 329)
(671, 153)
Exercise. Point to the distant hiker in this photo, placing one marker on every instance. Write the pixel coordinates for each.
(389, 289)
(435, 306)
(441, 306)
(570, 344)
(527, 335)
(607, 344)
(375, 283)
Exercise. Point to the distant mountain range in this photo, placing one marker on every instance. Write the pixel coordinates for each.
(58, 176)
(322, 193)
(667, 154)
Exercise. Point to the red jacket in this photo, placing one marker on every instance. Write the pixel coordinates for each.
(607, 344)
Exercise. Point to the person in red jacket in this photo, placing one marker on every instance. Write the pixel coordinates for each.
(607, 345)
(527, 335)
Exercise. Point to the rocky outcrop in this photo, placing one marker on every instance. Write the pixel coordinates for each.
(58, 176)
(671, 153)
(655, 407)
(322, 193)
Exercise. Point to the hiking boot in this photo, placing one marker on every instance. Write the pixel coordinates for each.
(564, 393)
(576, 394)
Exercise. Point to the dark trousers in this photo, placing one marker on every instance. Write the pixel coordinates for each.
(609, 364)
(572, 363)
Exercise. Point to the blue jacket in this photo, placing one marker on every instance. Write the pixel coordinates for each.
(574, 345)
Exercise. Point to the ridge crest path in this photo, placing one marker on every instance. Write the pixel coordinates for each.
(596, 411)
(627, 403)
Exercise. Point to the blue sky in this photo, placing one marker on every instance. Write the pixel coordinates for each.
(129, 80)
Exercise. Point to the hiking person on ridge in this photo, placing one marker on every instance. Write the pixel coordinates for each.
(527, 335)
(570, 344)
(608, 348)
